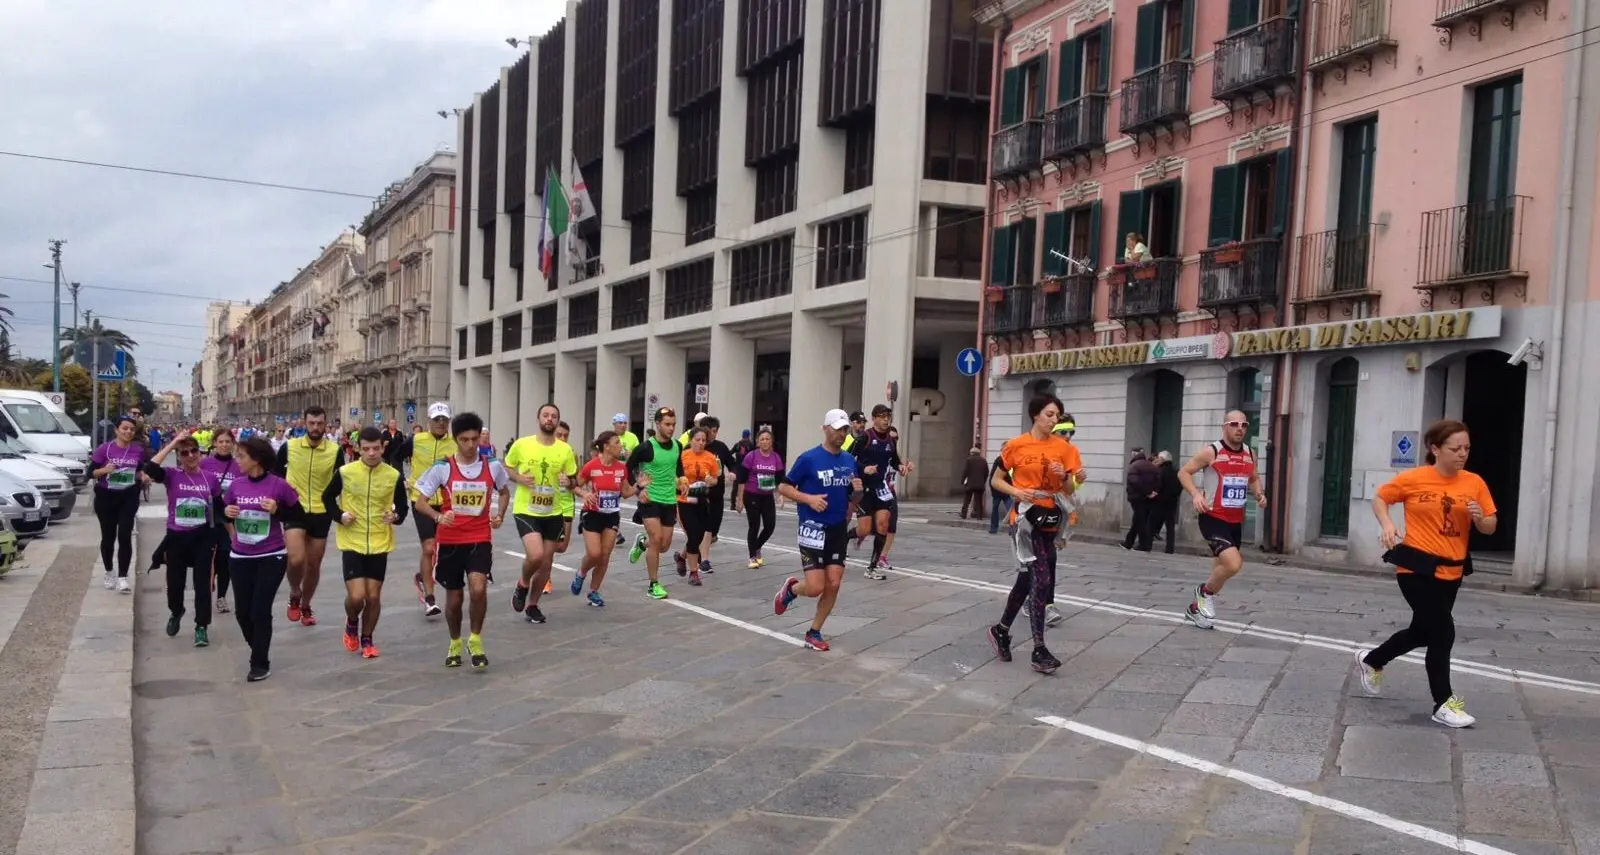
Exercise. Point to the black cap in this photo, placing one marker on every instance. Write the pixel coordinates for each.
(882, 410)
(857, 416)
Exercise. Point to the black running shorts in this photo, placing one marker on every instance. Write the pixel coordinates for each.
(823, 547)
(1221, 535)
(358, 566)
(452, 563)
(316, 526)
(548, 528)
(598, 522)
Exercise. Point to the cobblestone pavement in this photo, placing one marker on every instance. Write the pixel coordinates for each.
(698, 724)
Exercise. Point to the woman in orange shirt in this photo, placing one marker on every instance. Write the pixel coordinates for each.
(701, 470)
(1443, 503)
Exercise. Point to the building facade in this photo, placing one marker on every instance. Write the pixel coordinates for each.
(208, 382)
(169, 407)
(1433, 262)
(751, 173)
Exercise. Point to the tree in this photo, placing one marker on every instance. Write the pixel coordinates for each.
(16, 369)
(5, 317)
(96, 330)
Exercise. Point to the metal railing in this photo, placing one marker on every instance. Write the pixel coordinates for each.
(1345, 27)
(1015, 150)
(1455, 10)
(1336, 262)
(1012, 313)
(1241, 272)
(1155, 95)
(1144, 290)
(1066, 301)
(1475, 241)
(1075, 127)
(1258, 58)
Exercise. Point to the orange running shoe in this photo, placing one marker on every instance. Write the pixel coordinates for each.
(548, 587)
(294, 609)
(352, 639)
(306, 617)
(369, 650)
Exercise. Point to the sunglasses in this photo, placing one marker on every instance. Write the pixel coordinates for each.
(1236, 424)
(188, 452)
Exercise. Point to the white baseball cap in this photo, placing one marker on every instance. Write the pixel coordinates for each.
(438, 410)
(836, 419)
(619, 418)
(698, 417)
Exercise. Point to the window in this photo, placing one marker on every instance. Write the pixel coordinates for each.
(858, 141)
(700, 208)
(761, 271)
(640, 234)
(461, 343)
(775, 185)
(483, 339)
(958, 141)
(1072, 233)
(511, 332)
(1023, 91)
(542, 324)
(1165, 32)
(1013, 254)
(688, 289)
(1084, 65)
(1358, 156)
(583, 315)
(842, 250)
(1250, 200)
(1152, 213)
(630, 303)
(850, 58)
(958, 245)
(1496, 129)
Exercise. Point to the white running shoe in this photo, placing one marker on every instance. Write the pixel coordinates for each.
(1453, 713)
(122, 585)
(1205, 603)
(111, 581)
(1371, 678)
(1052, 615)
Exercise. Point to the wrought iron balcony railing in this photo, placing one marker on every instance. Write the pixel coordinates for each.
(1240, 272)
(1474, 242)
(1145, 290)
(1015, 150)
(1346, 29)
(1010, 310)
(1156, 96)
(1336, 262)
(1075, 127)
(1067, 301)
(1254, 60)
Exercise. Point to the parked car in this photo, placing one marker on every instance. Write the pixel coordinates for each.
(76, 470)
(22, 506)
(34, 424)
(59, 498)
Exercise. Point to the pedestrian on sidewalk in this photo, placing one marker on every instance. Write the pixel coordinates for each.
(256, 507)
(1144, 487)
(194, 509)
(116, 498)
(973, 477)
(1165, 511)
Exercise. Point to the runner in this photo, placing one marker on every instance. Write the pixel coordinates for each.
(1064, 431)
(308, 463)
(1034, 473)
(700, 469)
(370, 497)
(564, 501)
(543, 468)
(116, 498)
(256, 507)
(194, 510)
(683, 439)
(877, 455)
(823, 484)
(420, 451)
(604, 484)
(466, 531)
(1221, 508)
(619, 426)
(858, 430)
(1442, 505)
(656, 467)
(713, 502)
(756, 497)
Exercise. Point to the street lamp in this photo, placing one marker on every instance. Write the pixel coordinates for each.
(517, 43)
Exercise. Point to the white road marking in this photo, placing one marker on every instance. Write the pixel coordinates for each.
(1267, 785)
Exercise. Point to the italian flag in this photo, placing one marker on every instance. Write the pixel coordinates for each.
(554, 223)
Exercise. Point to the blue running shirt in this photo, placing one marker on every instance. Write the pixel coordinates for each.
(817, 472)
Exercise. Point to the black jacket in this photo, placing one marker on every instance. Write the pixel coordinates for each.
(1170, 488)
(1143, 479)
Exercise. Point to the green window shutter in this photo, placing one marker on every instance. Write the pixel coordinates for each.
(1027, 255)
(1130, 218)
(1283, 192)
(1147, 37)
(1069, 83)
(1055, 238)
(1104, 83)
(1092, 251)
(1011, 97)
(1291, 9)
(1242, 14)
(1186, 50)
(1041, 66)
(1227, 191)
(1000, 252)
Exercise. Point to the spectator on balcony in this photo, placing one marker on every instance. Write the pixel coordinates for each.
(1134, 250)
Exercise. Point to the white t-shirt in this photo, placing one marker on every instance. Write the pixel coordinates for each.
(439, 473)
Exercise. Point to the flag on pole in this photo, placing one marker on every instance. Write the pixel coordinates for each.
(582, 205)
(554, 222)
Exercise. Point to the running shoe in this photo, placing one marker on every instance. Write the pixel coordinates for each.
(294, 609)
(480, 660)
(519, 598)
(694, 578)
(1043, 662)
(1194, 616)
(1052, 615)
(368, 649)
(122, 585)
(883, 563)
(430, 607)
(306, 617)
(875, 574)
(755, 563)
(705, 566)
(785, 596)
(1204, 603)
(533, 614)
(680, 563)
(1453, 713)
(111, 581)
(656, 591)
(815, 641)
(1371, 678)
(452, 658)
(256, 675)
(173, 624)
(222, 605)
(548, 587)
(201, 638)
(352, 637)
(639, 544)
(595, 600)
(1000, 642)
(577, 584)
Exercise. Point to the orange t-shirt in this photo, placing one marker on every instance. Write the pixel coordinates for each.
(1437, 519)
(699, 466)
(1074, 460)
(1028, 460)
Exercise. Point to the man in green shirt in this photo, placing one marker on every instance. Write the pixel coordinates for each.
(656, 468)
(619, 425)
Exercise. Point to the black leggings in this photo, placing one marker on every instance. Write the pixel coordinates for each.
(219, 560)
(1036, 584)
(761, 509)
(189, 552)
(693, 517)
(255, 586)
(116, 509)
(1432, 626)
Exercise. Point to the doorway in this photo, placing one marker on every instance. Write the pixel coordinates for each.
(694, 374)
(1338, 447)
(1166, 423)
(1492, 408)
(771, 400)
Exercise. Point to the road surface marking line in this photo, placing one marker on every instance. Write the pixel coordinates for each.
(1267, 785)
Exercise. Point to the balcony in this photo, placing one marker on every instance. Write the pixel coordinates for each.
(364, 325)
(1014, 152)
(1480, 242)
(1348, 32)
(1452, 12)
(1252, 61)
(1066, 301)
(1240, 273)
(1010, 310)
(1074, 128)
(1148, 290)
(1156, 98)
(389, 314)
(1336, 265)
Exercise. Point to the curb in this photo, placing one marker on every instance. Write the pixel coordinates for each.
(82, 799)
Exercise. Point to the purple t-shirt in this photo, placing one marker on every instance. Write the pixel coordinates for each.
(224, 468)
(256, 532)
(190, 497)
(127, 460)
(765, 469)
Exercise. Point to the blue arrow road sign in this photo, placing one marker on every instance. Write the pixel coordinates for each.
(117, 370)
(969, 362)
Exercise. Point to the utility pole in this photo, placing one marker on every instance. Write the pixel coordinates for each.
(94, 384)
(55, 334)
(74, 288)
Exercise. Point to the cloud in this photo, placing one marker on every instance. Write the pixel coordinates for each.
(338, 94)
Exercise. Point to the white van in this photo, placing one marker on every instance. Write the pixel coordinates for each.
(33, 423)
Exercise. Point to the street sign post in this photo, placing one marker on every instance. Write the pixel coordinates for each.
(702, 393)
(114, 371)
(969, 362)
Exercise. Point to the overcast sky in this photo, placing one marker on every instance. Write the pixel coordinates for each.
(338, 94)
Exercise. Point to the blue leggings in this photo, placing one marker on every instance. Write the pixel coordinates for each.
(1036, 579)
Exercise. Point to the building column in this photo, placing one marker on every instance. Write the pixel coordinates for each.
(664, 376)
(815, 352)
(613, 376)
(733, 380)
(477, 393)
(532, 393)
(571, 374)
(501, 415)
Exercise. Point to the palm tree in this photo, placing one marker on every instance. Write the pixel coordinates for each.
(96, 330)
(14, 369)
(5, 315)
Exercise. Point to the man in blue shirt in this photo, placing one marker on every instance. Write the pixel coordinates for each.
(824, 485)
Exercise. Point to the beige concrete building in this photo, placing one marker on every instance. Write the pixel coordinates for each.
(169, 407)
(209, 385)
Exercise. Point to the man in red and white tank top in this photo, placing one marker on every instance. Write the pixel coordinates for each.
(1228, 469)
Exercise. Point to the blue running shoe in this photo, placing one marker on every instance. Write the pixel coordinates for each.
(594, 600)
(577, 584)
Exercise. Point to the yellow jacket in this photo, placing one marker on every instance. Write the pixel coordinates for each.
(367, 492)
(310, 470)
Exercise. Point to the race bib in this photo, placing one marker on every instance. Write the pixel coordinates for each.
(543, 499)
(766, 481)
(226, 480)
(252, 525)
(468, 498)
(698, 488)
(812, 536)
(190, 512)
(1233, 490)
(610, 501)
(121, 479)
(885, 493)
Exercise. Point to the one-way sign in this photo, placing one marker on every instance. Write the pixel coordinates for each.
(969, 362)
(117, 370)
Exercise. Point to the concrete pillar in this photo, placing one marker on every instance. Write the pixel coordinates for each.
(613, 376)
(815, 350)
(613, 238)
(570, 395)
(668, 217)
(533, 392)
(821, 166)
(477, 396)
(736, 183)
(733, 380)
(500, 413)
(664, 377)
